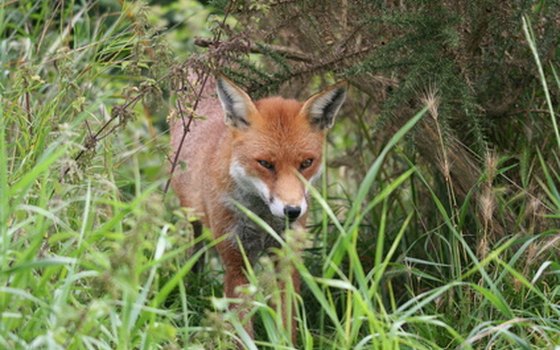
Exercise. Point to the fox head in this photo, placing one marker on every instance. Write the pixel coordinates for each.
(274, 139)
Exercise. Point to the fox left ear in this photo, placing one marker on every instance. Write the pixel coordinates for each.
(237, 105)
(323, 107)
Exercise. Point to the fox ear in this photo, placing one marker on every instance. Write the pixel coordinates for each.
(237, 105)
(323, 107)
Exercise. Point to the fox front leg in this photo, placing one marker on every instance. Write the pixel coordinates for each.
(234, 278)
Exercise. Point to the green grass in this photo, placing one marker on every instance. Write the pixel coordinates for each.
(95, 256)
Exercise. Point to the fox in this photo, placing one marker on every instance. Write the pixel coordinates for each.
(253, 153)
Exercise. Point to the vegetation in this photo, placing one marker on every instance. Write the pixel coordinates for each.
(436, 224)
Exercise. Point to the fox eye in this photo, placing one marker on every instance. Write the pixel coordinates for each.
(306, 164)
(266, 165)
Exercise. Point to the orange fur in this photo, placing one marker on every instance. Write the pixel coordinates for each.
(223, 162)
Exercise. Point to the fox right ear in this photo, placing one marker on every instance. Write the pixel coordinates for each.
(237, 105)
(324, 106)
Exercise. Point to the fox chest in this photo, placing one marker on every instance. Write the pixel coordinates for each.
(254, 239)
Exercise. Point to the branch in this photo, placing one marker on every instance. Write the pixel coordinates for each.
(283, 51)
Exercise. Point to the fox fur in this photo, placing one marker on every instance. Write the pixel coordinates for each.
(250, 152)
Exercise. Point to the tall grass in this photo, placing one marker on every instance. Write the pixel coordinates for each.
(94, 256)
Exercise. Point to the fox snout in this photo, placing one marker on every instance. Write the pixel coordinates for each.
(292, 210)
(288, 197)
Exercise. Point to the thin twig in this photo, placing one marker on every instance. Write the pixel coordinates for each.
(283, 51)
(186, 125)
(28, 111)
(91, 140)
(90, 134)
(6, 4)
(186, 128)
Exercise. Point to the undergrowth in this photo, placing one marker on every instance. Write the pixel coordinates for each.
(94, 255)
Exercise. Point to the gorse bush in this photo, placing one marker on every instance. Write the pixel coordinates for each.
(435, 224)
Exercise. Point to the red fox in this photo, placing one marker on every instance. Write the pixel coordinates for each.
(249, 152)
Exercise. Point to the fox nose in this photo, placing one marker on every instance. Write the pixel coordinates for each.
(292, 213)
